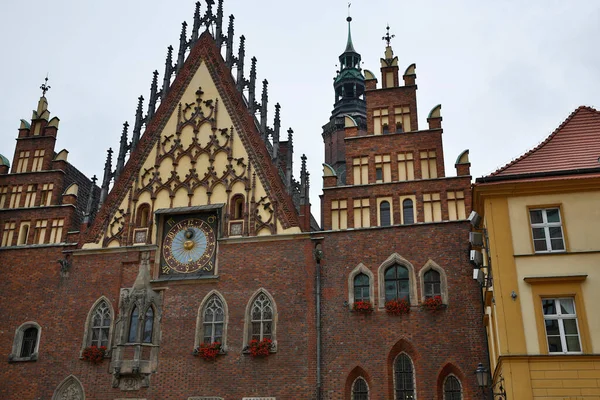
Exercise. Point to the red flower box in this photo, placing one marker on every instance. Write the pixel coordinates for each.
(260, 348)
(363, 306)
(433, 303)
(397, 307)
(94, 354)
(208, 351)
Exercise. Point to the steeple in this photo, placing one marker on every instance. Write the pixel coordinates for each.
(349, 84)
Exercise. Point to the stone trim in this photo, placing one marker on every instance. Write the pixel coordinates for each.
(200, 323)
(74, 387)
(18, 342)
(431, 265)
(87, 337)
(391, 260)
(360, 268)
(247, 318)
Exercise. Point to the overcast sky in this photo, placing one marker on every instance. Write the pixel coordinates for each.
(507, 73)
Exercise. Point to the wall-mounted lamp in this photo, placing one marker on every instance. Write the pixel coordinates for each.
(483, 381)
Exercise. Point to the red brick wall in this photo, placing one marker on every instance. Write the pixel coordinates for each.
(370, 342)
(32, 289)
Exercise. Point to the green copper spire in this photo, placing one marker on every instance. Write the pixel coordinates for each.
(349, 45)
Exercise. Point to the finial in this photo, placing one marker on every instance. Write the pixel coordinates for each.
(388, 38)
(349, 45)
(45, 86)
(196, 22)
(349, 17)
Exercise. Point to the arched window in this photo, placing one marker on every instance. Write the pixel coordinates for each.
(432, 283)
(452, 389)
(133, 325)
(29, 342)
(100, 325)
(362, 288)
(404, 384)
(213, 319)
(397, 283)
(26, 342)
(360, 389)
(261, 318)
(148, 325)
(237, 207)
(143, 215)
(408, 215)
(384, 213)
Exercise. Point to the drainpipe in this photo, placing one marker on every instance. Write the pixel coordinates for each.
(318, 253)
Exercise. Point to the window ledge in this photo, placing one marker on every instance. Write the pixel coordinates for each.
(12, 358)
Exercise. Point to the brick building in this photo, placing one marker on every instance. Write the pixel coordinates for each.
(199, 267)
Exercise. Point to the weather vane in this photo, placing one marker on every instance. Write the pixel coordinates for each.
(388, 38)
(45, 86)
(349, 4)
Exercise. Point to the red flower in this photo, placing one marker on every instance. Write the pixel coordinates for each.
(94, 354)
(260, 348)
(363, 306)
(208, 351)
(397, 307)
(433, 303)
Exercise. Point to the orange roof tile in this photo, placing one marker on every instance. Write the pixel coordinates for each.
(574, 145)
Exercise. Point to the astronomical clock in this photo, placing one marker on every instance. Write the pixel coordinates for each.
(188, 247)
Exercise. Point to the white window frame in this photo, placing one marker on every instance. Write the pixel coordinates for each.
(546, 226)
(560, 317)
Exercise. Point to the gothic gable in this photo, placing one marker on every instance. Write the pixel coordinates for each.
(202, 147)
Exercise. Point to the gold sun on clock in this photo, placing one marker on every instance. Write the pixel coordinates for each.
(188, 246)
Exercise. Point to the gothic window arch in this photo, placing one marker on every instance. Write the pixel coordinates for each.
(360, 389)
(452, 388)
(141, 325)
(98, 329)
(69, 389)
(396, 279)
(261, 318)
(211, 323)
(26, 343)
(352, 292)
(433, 281)
(404, 377)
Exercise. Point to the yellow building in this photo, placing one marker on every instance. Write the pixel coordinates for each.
(540, 219)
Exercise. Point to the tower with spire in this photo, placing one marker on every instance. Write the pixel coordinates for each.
(349, 87)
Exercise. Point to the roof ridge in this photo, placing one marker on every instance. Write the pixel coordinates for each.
(545, 141)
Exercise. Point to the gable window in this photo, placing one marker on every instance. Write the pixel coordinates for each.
(360, 390)
(560, 320)
(408, 216)
(362, 288)
(23, 233)
(432, 207)
(30, 196)
(23, 160)
(39, 233)
(38, 158)
(456, 205)
(406, 166)
(26, 343)
(213, 320)
(402, 117)
(432, 283)
(397, 283)
(380, 121)
(452, 388)
(237, 207)
(3, 196)
(339, 214)
(15, 196)
(8, 233)
(56, 230)
(46, 194)
(360, 170)
(404, 384)
(428, 164)
(384, 213)
(361, 213)
(546, 227)
(383, 171)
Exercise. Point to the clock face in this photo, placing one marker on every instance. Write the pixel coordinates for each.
(188, 245)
